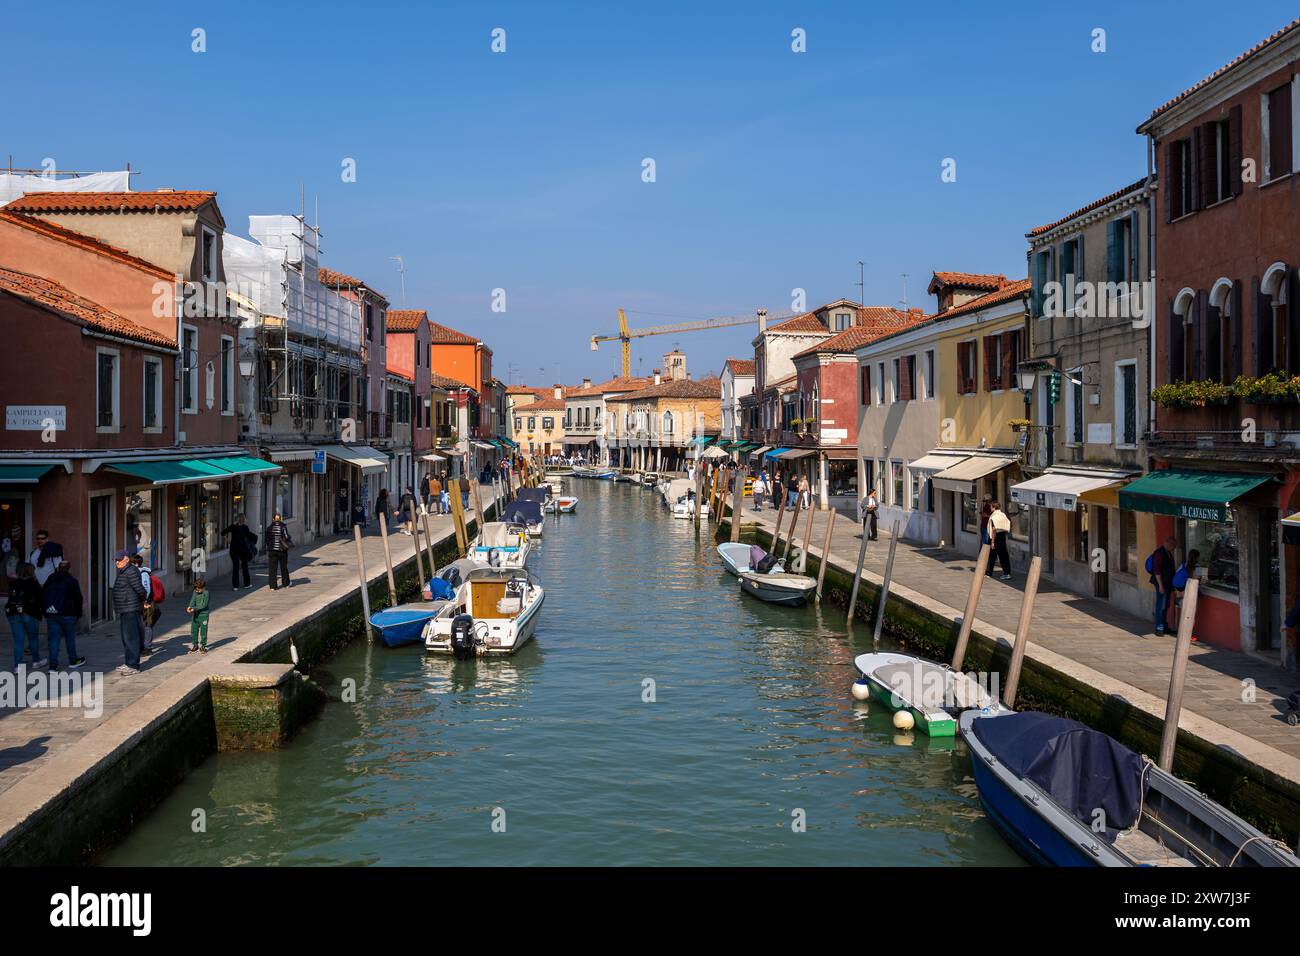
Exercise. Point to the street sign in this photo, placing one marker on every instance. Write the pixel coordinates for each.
(318, 463)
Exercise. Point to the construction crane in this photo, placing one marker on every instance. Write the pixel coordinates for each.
(626, 335)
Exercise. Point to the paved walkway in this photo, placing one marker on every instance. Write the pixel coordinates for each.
(1086, 630)
(31, 737)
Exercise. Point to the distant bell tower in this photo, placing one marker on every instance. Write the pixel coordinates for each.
(674, 365)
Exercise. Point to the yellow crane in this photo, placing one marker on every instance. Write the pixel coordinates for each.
(626, 335)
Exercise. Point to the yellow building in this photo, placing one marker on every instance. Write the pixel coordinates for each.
(655, 428)
(980, 340)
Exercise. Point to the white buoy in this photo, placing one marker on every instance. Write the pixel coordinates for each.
(861, 690)
(903, 720)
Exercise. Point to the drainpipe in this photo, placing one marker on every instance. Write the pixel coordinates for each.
(1151, 305)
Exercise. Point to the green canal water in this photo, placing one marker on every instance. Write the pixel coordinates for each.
(751, 730)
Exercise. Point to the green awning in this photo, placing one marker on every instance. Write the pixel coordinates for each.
(23, 474)
(698, 439)
(181, 470)
(1196, 495)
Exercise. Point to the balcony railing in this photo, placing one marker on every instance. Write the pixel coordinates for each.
(1245, 442)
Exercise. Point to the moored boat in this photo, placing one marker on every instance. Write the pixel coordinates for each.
(561, 504)
(930, 692)
(502, 544)
(777, 587)
(738, 556)
(526, 513)
(1064, 794)
(494, 612)
(404, 623)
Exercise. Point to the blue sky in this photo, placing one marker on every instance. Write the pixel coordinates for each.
(522, 170)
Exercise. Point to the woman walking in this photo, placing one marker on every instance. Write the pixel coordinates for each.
(23, 611)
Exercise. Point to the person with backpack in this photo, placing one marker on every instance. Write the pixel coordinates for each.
(1185, 571)
(23, 612)
(1160, 566)
(153, 587)
(243, 548)
(129, 595)
(278, 543)
(63, 602)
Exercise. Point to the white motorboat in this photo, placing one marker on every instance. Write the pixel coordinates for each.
(778, 587)
(561, 504)
(527, 513)
(502, 544)
(494, 612)
(738, 557)
(932, 693)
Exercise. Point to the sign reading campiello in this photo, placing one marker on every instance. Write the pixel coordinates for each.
(36, 418)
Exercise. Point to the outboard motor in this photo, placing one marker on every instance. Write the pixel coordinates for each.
(462, 637)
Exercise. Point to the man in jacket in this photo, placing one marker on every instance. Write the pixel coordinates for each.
(869, 508)
(63, 606)
(45, 557)
(278, 544)
(1162, 577)
(128, 604)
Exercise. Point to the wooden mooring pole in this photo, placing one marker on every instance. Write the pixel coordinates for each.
(478, 507)
(972, 602)
(826, 551)
(794, 526)
(699, 491)
(736, 500)
(361, 573)
(1022, 632)
(415, 540)
(780, 516)
(388, 561)
(1174, 707)
(807, 536)
(458, 517)
(884, 588)
(857, 576)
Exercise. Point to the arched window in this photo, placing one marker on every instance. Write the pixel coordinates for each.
(668, 423)
(1223, 330)
(1182, 338)
(1279, 342)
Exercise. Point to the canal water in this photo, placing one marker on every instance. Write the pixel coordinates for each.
(752, 751)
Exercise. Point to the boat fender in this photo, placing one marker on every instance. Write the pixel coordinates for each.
(462, 636)
(903, 720)
(861, 689)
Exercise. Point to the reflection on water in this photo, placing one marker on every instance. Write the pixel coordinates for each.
(750, 725)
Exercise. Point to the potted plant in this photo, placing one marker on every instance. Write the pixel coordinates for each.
(1271, 389)
(1192, 394)
(1018, 423)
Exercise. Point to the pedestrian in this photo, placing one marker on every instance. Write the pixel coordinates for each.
(444, 500)
(198, 611)
(999, 526)
(760, 489)
(150, 613)
(128, 604)
(359, 517)
(424, 488)
(278, 543)
(778, 490)
(243, 548)
(23, 611)
(408, 498)
(45, 557)
(435, 495)
(870, 512)
(62, 601)
(1160, 565)
(804, 489)
(383, 508)
(985, 511)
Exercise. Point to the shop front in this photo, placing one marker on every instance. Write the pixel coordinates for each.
(1231, 520)
(963, 486)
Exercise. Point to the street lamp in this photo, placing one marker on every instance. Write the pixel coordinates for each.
(1027, 380)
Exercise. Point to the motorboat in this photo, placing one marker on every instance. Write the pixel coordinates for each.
(494, 612)
(738, 557)
(539, 494)
(777, 587)
(404, 623)
(526, 513)
(502, 544)
(604, 474)
(932, 693)
(1064, 794)
(561, 504)
(687, 505)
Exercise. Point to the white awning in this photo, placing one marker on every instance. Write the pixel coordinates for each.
(1056, 491)
(360, 456)
(484, 445)
(293, 454)
(936, 461)
(795, 453)
(760, 451)
(432, 458)
(962, 476)
(579, 441)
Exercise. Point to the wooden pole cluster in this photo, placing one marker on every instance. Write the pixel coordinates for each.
(857, 576)
(388, 561)
(780, 516)
(458, 517)
(478, 504)
(972, 602)
(699, 491)
(415, 540)
(884, 588)
(715, 510)
(361, 572)
(807, 535)
(1022, 632)
(1174, 705)
(794, 526)
(826, 551)
(736, 501)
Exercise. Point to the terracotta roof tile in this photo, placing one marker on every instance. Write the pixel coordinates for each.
(967, 280)
(546, 405)
(524, 390)
(406, 320)
(1095, 204)
(88, 243)
(442, 381)
(442, 335)
(66, 201)
(1257, 48)
(808, 322)
(337, 279)
(676, 388)
(1011, 290)
(873, 322)
(741, 366)
(53, 295)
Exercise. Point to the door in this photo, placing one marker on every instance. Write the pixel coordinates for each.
(1100, 526)
(101, 560)
(15, 534)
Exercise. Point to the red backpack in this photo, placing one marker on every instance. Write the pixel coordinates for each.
(157, 593)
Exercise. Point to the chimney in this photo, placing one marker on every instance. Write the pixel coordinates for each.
(762, 320)
(586, 383)
(559, 391)
(658, 377)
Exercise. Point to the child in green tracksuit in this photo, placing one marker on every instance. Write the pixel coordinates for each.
(199, 623)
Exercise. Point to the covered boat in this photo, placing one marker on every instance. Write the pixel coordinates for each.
(1064, 794)
(738, 557)
(930, 692)
(502, 544)
(526, 513)
(494, 612)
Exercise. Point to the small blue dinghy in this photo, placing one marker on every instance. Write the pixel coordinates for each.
(404, 624)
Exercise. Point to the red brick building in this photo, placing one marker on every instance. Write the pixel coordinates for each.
(1226, 298)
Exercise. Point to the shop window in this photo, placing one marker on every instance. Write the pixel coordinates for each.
(1079, 534)
(284, 496)
(140, 528)
(1217, 543)
(1128, 546)
(916, 483)
(970, 518)
(842, 478)
(896, 480)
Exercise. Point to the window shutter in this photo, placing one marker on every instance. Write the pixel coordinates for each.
(864, 375)
(1202, 354)
(1114, 249)
(1176, 371)
(1262, 345)
(1135, 243)
(1080, 272)
(1172, 176)
(988, 364)
(905, 378)
(1235, 321)
(1234, 149)
(963, 366)
(1036, 278)
(1292, 314)
(1009, 357)
(1202, 164)
(1279, 131)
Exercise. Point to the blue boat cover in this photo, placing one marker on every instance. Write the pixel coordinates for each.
(442, 590)
(522, 512)
(532, 494)
(1082, 769)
